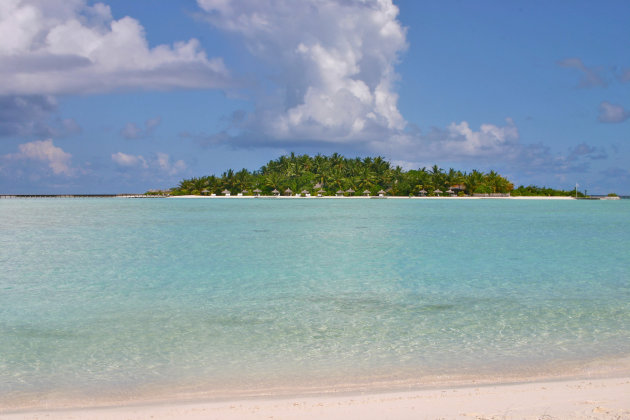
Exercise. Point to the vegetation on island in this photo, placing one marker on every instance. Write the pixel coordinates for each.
(330, 175)
(334, 173)
(533, 190)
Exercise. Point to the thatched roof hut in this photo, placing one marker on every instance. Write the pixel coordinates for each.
(288, 191)
(381, 193)
(339, 193)
(275, 192)
(366, 193)
(225, 192)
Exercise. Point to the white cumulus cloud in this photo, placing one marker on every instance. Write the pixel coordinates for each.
(332, 62)
(125, 160)
(611, 113)
(70, 46)
(161, 162)
(46, 152)
(457, 142)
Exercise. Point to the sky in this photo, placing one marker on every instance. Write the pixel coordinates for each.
(123, 96)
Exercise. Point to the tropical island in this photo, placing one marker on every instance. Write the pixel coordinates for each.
(337, 175)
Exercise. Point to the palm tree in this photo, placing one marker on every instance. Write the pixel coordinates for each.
(242, 180)
(472, 181)
(274, 180)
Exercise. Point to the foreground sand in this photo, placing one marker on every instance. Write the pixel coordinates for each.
(576, 399)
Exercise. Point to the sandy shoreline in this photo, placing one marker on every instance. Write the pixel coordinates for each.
(604, 398)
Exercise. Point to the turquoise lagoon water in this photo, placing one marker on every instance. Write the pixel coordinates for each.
(127, 297)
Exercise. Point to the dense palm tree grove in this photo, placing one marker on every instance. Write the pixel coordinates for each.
(335, 173)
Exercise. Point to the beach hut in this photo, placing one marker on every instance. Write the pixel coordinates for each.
(381, 193)
(423, 192)
(350, 191)
(288, 191)
(450, 192)
(320, 192)
(306, 193)
(257, 192)
(366, 193)
(275, 192)
(437, 192)
(204, 192)
(339, 193)
(242, 193)
(226, 193)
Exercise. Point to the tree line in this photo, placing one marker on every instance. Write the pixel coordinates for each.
(334, 173)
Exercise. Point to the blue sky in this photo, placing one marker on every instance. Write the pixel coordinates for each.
(126, 96)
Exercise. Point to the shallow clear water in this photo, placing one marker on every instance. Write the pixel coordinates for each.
(124, 295)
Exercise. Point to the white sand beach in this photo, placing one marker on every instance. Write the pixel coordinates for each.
(573, 399)
(375, 197)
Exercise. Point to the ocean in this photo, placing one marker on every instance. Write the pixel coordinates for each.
(117, 299)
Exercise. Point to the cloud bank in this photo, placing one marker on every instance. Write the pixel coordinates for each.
(32, 115)
(67, 46)
(331, 63)
(331, 83)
